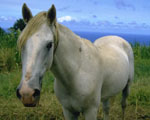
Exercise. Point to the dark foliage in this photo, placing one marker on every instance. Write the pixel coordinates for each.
(2, 32)
(19, 24)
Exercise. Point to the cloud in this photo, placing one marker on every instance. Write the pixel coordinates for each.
(65, 18)
(76, 25)
(7, 21)
(86, 25)
(121, 4)
(105, 23)
(3, 18)
(136, 25)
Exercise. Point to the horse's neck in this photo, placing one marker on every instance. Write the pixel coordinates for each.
(67, 56)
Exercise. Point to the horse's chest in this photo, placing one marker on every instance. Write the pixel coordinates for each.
(77, 96)
(74, 101)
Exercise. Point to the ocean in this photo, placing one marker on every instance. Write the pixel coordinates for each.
(131, 38)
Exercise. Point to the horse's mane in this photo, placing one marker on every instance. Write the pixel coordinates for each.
(33, 25)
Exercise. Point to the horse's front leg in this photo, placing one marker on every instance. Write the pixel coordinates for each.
(91, 113)
(106, 109)
(70, 115)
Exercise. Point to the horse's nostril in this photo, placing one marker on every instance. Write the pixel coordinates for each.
(36, 93)
(18, 94)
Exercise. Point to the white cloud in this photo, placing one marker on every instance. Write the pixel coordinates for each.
(3, 18)
(65, 18)
(7, 18)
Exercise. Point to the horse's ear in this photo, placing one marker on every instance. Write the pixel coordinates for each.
(26, 13)
(51, 14)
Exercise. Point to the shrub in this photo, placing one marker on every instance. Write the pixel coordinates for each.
(9, 55)
(7, 58)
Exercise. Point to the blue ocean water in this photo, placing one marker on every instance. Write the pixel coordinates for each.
(131, 38)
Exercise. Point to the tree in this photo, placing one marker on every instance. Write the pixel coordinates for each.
(19, 24)
(2, 32)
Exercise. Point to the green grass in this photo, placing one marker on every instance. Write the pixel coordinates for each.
(50, 109)
(11, 108)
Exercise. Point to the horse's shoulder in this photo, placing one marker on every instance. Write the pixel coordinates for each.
(87, 43)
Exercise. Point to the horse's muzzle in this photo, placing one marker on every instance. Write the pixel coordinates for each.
(29, 97)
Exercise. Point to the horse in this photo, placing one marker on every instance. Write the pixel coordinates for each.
(85, 73)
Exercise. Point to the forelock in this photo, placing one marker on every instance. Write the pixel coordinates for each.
(34, 24)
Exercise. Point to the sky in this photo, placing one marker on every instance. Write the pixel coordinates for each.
(131, 16)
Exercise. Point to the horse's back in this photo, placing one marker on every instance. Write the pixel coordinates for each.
(111, 40)
(121, 45)
(118, 63)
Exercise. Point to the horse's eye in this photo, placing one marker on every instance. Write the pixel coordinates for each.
(49, 45)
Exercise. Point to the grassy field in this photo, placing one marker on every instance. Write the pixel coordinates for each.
(49, 108)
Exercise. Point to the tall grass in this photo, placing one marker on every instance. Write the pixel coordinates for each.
(9, 55)
(141, 52)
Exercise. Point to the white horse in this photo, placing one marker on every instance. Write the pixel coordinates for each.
(85, 73)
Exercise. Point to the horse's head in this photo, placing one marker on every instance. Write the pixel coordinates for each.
(37, 43)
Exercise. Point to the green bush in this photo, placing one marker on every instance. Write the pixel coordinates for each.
(8, 59)
(9, 55)
(141, 52)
